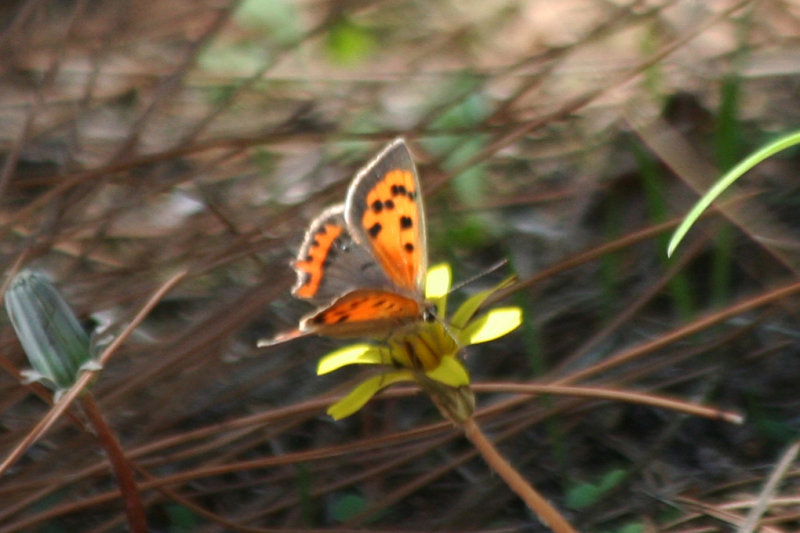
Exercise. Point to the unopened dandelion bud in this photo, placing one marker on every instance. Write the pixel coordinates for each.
(56, 344)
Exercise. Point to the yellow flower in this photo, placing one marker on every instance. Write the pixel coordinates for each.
(428, 355)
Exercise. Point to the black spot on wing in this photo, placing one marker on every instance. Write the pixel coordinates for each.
(399, 190)
(375, 229)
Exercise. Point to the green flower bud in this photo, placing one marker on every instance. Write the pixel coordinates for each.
(56, 344)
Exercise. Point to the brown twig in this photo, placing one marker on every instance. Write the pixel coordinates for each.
(610, 393)
(768, 492)
(134, 510)
(535, 501)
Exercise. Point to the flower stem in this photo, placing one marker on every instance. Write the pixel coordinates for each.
(546, 512)
(122, 470)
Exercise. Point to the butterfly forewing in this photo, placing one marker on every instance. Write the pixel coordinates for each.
(384, 212)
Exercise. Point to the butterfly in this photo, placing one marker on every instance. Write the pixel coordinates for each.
(363, 262)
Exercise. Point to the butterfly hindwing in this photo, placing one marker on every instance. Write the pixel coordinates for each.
(384, 213)
(330, 263)
(363, 312)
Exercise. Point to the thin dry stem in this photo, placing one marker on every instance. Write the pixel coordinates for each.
(535, 502)
(684, 331)
(608, 393)
(720, 512)
(751, 522)
(134, 510)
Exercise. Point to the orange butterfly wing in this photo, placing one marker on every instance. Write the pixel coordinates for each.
(318, 249)
(384, 213)
(365, 262)
(367, 312)
(330, 263)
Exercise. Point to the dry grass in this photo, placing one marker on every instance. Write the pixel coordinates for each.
(142, 138)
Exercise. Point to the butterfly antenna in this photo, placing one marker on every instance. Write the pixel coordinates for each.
(497, 266)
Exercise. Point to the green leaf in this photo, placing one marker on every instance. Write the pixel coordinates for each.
(492, 325)
(587, 494)
(472, 109)
(355, 354)
(349, 43)
(611, 479)
(347, 506)
(726, 181)
(468, 230)
(242, 59)
(582, 496)
(277, 19)
(450, 372)
(359, 396)
(182, 519)
(470, 184)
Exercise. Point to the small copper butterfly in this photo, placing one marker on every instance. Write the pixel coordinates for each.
(364, 262)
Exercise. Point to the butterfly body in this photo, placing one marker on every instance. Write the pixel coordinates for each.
(363, 262)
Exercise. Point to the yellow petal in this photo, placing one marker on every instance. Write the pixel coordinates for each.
(450, 372)
(437, 285)
(492, 325)
(355, 354)
(357, 397)
(466, 311)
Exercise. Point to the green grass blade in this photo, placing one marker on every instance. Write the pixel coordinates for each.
(728, 146)
(726, 181)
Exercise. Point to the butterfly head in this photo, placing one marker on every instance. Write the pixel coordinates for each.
(429, 312)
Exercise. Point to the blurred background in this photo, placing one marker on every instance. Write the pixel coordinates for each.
(140, 138)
